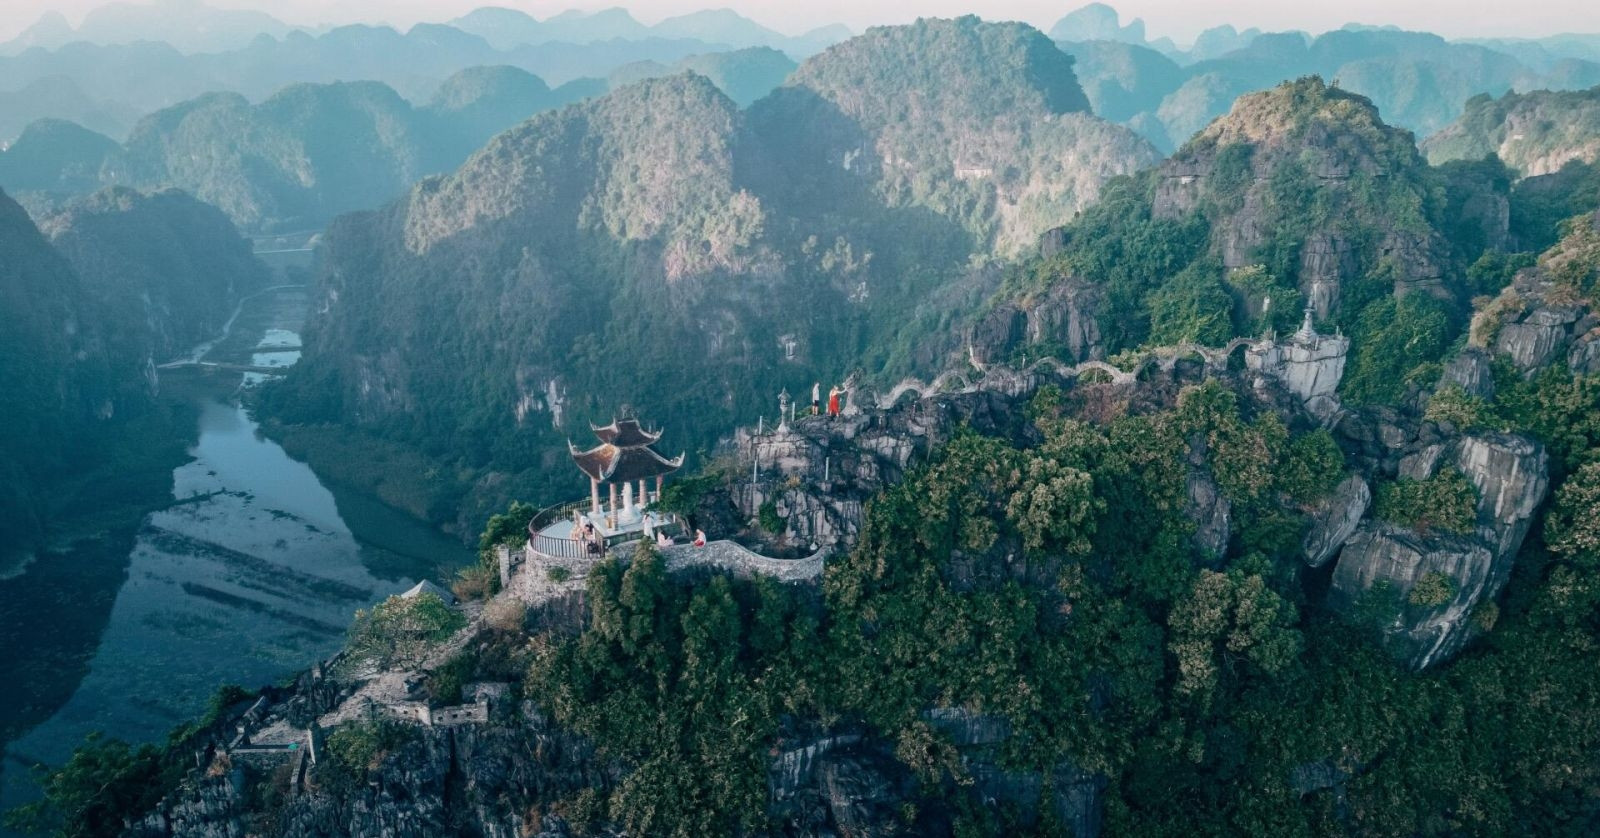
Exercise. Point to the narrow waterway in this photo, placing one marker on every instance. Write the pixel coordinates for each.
(252, 574)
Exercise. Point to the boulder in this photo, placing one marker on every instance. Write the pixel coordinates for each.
(1529, 344)
(1420, 634)
(863, 792)
(1512, 475)
(1584, 357)
(1335, 518)
(1472, 371)
(1211, 513)
(1321, 775)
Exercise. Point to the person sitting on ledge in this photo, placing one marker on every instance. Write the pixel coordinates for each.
(662, 539)
(699, 538)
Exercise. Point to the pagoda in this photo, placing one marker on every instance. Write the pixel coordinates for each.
(623, 458)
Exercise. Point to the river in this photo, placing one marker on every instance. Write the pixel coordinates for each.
(252, 573)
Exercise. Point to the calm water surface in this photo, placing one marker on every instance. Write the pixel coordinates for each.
(251, 576)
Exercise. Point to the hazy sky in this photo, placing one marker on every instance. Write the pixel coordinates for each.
(1180, 19)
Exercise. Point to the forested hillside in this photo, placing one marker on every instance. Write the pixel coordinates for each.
(982, 124)
(1037, 630)
(165, 268)
(1534, 133)
(292, 162)
(1418, 80)
(498, 308)
(1250, 491)
(55, 378)
(112, 287)
(1300, 196)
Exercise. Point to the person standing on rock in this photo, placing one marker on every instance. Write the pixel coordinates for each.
(816, 398)
(833, 403)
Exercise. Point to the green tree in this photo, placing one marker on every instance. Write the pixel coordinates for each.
(105, 781)
(1193, 307)
(402, 631)
(1226, 619)
(1446, 502)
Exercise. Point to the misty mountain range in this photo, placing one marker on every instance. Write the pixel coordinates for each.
(126, 60)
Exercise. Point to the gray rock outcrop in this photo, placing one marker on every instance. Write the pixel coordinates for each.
(1063, 319)
(1510, 475)
(1210, 512)
(1335, 518)
(1472, 371)
(1395, 561)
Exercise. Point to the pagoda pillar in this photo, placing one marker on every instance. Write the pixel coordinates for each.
(644, 494)
(627, 496)
(594, 496)
(613, 488)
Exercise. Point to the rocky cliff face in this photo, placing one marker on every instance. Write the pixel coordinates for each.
(1062, 322)
(56, 380)
(730, 233)
(1542, 317)
(984, 124)
(1535, 133)
(1334, 142)
(1510, 476)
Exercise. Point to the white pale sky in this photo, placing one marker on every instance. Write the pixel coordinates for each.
(1179, 19)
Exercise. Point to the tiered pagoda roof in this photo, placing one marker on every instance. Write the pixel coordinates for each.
(626, 433)
(624, 454)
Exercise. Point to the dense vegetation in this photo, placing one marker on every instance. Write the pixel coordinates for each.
(1301, 195)
(1534, 133)
(518, 285)
(122, 282)
(1043, 585)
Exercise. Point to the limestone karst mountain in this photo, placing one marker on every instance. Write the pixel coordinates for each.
(509, 28)
(188, 25)
(728, 232)
(293, 161)
(55, 380)
(61, 98)
(165, 269)
(1534, 133)
(984, 125)
(1418, 80)
(91, 304)
(1301, 195)
(745, 74)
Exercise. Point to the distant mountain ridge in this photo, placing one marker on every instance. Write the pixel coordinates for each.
(508, 28)
(188, 25)
(1534, 133)
(1418, 80)
(294, 161)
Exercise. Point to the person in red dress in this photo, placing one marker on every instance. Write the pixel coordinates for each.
(833, 402)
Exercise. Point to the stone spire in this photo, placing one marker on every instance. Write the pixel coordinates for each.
(1308, 332)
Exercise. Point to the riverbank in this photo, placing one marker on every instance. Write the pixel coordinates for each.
(361, 463)
(197, 553)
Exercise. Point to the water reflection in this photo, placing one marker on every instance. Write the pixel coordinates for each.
(252, 575)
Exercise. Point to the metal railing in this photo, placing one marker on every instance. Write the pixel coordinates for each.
(570, 548)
